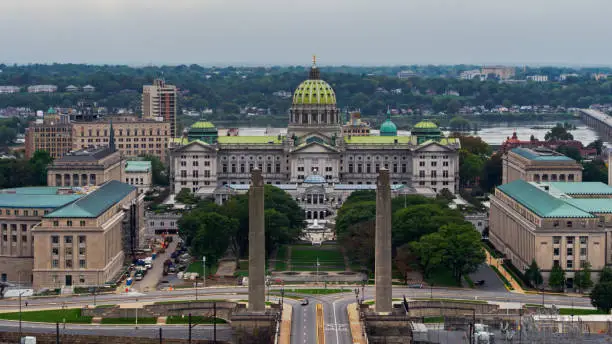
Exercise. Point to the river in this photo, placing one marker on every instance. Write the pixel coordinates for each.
(493, 133)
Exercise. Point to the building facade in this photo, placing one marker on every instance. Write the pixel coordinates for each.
(93, 166)
(316, 147)
(52, 134)
(501, 72)
(85, 241)
(159, 103)
(133, 136)
(139, 174)
(554, 223)
(20, 210)
(42, 89)
(539, 164)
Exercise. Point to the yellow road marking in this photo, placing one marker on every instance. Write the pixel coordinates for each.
(320, 324)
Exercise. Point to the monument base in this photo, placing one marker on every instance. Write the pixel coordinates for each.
(255, 327)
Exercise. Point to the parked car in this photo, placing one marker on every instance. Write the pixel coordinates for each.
(304, 302)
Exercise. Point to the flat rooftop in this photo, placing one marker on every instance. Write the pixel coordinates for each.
(541, 154)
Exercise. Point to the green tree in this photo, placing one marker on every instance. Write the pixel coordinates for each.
(556, 280)
(558, 133)
(39, 164)
(597, 144)
(601, 296)
(453, 106)
(159, 171)
(492, 172)
(570, 152)
(470, 167)
(455, 246)
(185, 196)
(594, 171)
(212, 236)
(459, 124)
(358, 242)
(534, 275)
(605, 275)
(411, 223)
(582, 278)
(7, 135)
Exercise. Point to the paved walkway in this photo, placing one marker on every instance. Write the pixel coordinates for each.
(226, 268)
(497, 262)
(356, 328)
(285, 327)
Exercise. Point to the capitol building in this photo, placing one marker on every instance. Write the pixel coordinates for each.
(314, 160)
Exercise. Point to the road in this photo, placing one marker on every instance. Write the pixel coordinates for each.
(154, 275)
(304, 318)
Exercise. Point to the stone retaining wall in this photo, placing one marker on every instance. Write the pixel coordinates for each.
(196, 308)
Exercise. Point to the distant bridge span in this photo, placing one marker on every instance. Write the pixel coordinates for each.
(598, 121)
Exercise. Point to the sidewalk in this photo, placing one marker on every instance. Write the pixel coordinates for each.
(355, 325)
(497, 263)
(285, 327)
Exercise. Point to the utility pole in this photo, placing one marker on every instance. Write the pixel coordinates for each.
(20, 293)
(160, 335)
(215, 322)
(56, 332)
(204, 271)
(189, 328)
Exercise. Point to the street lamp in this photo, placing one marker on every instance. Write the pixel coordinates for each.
(204, 271)
(20, 293)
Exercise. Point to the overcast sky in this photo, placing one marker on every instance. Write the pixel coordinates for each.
(267, 32)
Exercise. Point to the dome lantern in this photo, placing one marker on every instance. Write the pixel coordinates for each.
(388, 128)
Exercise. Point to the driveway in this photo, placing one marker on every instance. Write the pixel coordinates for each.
(155, 274)
(492, 281)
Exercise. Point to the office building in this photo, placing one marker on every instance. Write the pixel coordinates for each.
(554, 223)
(139, 174)
(159, 103)
(539, 164)
(90, 166)
(42, 89)
(134, 136)
(52, 134)
(500, 72)
(85, 242)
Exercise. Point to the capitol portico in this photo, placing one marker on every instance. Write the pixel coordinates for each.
(315, 162)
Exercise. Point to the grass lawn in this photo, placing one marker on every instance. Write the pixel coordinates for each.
(502, 278)
(128, 321)
(197, 267)
(450, 300)
(244, 269)
(176, 319)
(304, 258)
(169, 302)
(71, 315)
(442, 278)
(433, 320)
(105, 306)
(579, 311)
(318, 291)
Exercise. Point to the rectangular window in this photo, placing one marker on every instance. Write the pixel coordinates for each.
(55, 251)
(556, 240)
(404, 168)
(68, 264)
(55, 263)
(583, 240)
(434, 163)
(433, 174)
(82, 223)
(445, 163)
(68, 251)
(24, 239)
(82, 264)
(445, 174)
(583, 251)
(55, 239)
(422, 174)
(82, 239)
(569, 240)
(556, 251)
(570, 264)
(422, 163)
(69, 223)
(570, 251)
(55, 223)
(68, 239)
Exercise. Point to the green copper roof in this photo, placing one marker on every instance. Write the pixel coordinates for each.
(51, 111)
(388, 128)
(373, 140)
(314, 92)
(592, 205)
(541, 202)
(203, 125)
(35, 197)
(540, 156)
(425, 125)
(250, 139)
(580, 188)
(95, 203)
(138, 166)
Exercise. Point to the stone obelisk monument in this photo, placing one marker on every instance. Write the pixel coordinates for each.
(257, 244)
(383, 243)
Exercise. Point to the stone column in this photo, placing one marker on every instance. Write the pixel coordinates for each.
(257, 244)
(383, 243)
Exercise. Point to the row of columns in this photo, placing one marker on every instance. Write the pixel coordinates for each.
(326, 117)
(75, 181)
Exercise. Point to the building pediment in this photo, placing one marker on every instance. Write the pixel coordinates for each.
(197, 146)
(433, 146)
(314, 147)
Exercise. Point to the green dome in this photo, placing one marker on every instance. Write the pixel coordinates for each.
(314, 92)
(388, 128)
(426, 125)
(51, 111)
